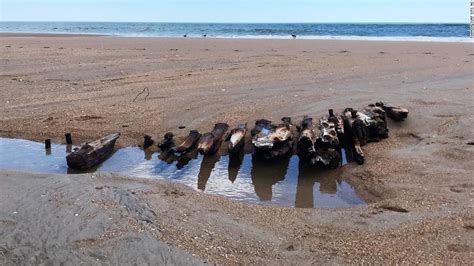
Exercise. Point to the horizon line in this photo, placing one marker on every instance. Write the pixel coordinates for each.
(190, 22)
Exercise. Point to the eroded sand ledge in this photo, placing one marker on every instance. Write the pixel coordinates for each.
(420, 178)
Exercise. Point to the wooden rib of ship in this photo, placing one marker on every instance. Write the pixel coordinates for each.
(315, 144)
(90, 155)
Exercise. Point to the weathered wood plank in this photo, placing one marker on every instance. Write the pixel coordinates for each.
(91, 154)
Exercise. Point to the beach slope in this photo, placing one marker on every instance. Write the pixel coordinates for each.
(418, 182)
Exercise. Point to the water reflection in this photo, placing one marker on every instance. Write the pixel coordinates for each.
(344, 156)
(265, 174)
(304, 187)
(235, 162)
(207, 166)
(148, 155)
(167, 157)
(241, 177)
(326, 182)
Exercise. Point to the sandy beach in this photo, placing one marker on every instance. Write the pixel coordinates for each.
(418, 182)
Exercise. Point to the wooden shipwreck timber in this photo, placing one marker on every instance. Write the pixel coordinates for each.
(90, 155)
(211, 142)
(354, 134)
(394, 112)
(328, 144)
(236, 138)
(305, 147)
(167, 144)
(272, 142)
(319, 144)
(190, 142)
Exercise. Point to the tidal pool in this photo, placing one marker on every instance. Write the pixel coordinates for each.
(245, 178)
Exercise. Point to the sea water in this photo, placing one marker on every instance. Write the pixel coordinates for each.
(363, 31)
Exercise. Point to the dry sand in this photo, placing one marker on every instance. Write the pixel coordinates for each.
(419, 181)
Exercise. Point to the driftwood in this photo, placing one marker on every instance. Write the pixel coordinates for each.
(394, 112)
(92, 154)
(273, 141)
(190, 141)
(237, 138)
(211, 142)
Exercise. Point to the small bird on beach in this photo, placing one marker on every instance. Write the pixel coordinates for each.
(204, 35)
(185, 35)
(293, 35)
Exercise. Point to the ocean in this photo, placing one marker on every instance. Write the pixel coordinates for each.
(363, 31)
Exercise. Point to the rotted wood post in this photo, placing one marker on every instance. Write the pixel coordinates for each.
(331, 112)
(68, 138)
(354, 114)
(147, 141)
(47, 144)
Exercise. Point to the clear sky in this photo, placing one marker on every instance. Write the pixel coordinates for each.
(236, 10)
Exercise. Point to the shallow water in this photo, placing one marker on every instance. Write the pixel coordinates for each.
(243, 177)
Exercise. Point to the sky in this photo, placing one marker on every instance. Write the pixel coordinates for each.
(439, 11)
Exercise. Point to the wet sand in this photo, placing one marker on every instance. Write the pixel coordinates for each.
(53, 219)
(419, 181)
